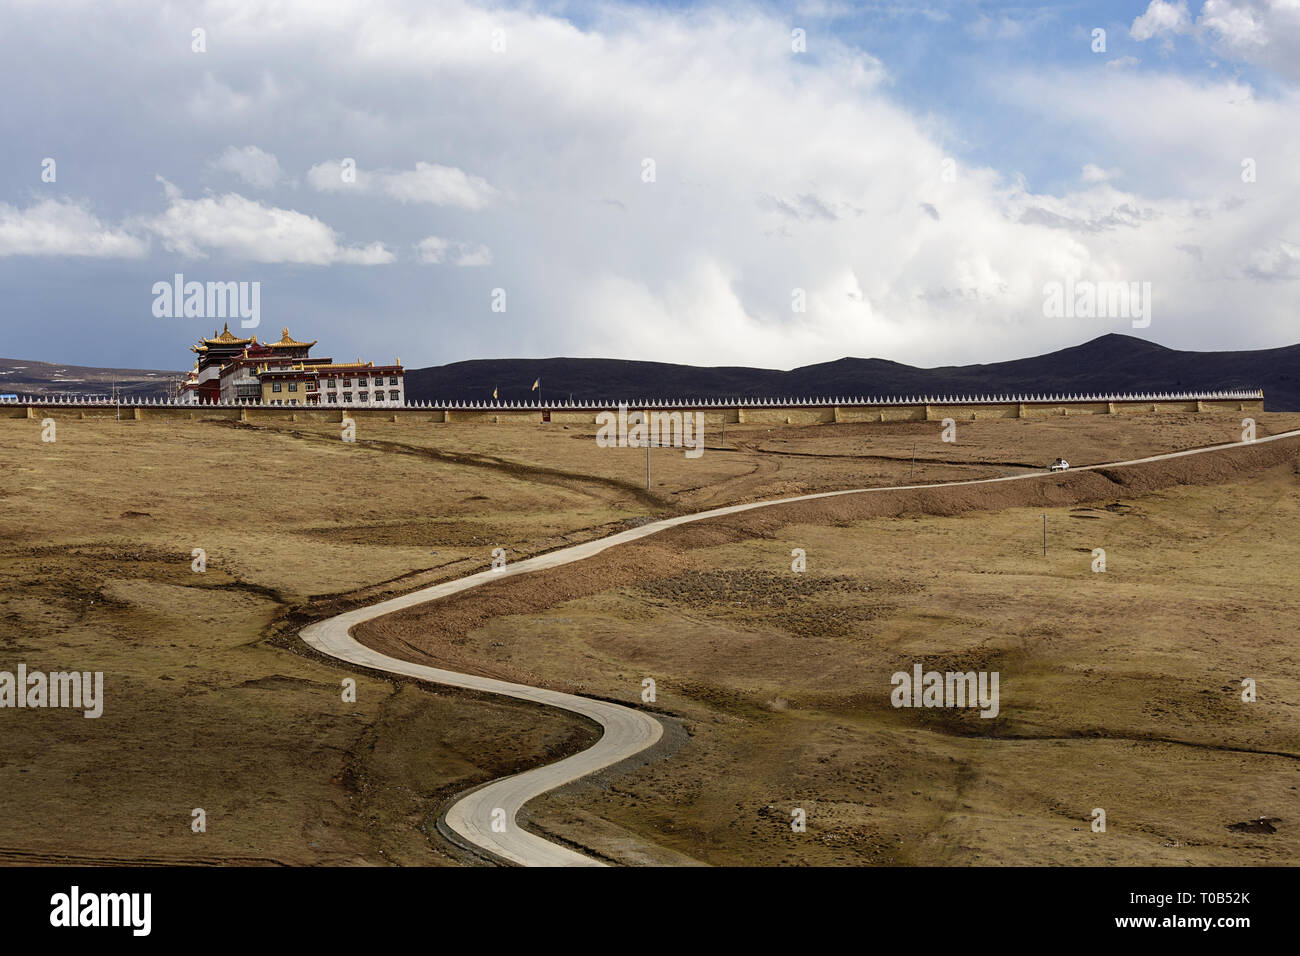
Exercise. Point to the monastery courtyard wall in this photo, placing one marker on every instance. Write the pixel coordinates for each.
(713, 415)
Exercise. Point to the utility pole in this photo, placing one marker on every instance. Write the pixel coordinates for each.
(1044, 535)
(913, 471)
(647, 453)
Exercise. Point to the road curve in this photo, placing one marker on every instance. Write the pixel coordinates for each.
(626, 732)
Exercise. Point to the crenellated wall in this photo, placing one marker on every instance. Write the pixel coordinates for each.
(796, 412)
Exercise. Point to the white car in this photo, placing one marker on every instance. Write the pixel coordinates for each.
(1060, 465)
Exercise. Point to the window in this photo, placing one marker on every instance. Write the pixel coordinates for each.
(365, 396)
(392, 396)
(347, 396)
(392, 380)
(293, 386)
(347, 383)
(334, 396)
(331, 381)
(275, 386)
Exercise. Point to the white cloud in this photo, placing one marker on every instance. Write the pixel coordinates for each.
(1265, 32)
(252, 165)
(61, 227)
(246, 229)
(1161, 18)
(426, 183)
(434, 250)
(1092, 173)
(1239, 25)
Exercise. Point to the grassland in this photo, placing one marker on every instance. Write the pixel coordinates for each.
(1120, 689)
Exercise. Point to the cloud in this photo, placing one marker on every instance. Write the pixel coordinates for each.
(1278, 260)
(776, 171)
(1262, 32)
(61, 227)
(246, 229)
(436, 251)
(255, 167)
(1092, 173)
(426, 183)
(1242, 26)
(1161, 19)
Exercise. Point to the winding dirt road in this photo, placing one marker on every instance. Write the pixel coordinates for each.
(485, 818)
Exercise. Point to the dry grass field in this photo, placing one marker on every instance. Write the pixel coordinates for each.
(1119, 690)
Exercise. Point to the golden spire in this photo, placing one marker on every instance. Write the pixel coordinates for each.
(288, 341)
(225, 338)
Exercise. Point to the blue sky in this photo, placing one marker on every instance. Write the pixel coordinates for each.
(799, 210)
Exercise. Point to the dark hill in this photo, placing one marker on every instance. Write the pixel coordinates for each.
(1118, 363)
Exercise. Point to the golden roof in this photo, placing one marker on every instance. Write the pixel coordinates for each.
(288, 342)
(225, 338)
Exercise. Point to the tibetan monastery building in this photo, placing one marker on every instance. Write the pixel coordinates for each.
(244, 371)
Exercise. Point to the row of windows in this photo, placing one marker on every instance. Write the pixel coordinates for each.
(361, 382)
(347, 383)
(364, 396)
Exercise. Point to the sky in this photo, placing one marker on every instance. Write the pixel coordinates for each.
(709, 184)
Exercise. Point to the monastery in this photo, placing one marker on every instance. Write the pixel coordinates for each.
(245, 371)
